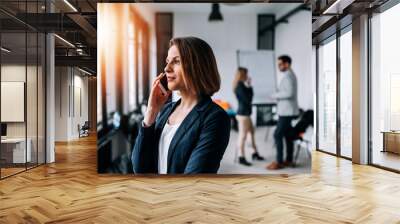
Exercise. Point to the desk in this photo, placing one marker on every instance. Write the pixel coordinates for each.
(13, 150)
(391, 141)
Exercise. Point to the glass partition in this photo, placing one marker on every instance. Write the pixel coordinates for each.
(41, 111)
(32, 98)
(132, 67)
(14, 153)
(327, 96)
(140, 64)
(22, 67)
(346, 93)
(385, 89)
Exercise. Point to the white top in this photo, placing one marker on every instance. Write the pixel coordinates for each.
(163, 146)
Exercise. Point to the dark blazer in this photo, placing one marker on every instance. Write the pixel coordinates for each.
(197, 146)
(244, 95)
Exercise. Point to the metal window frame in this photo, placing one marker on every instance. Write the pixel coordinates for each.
(334, 37)
(44, 73)
(381, 9)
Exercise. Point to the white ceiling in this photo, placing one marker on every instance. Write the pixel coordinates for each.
(236, 8)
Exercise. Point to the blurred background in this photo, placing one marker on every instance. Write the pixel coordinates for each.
(132, 47)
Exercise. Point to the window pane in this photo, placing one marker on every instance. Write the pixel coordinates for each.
(41, 98)
(99, 99)
(327, 97)
(132, 68)
(385, 84)
(32, 98)
(13, 84)
(140, 65)
(346, 94)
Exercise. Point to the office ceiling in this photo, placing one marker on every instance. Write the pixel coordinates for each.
(327, 18)
(225, 8)
(57, 5)
(72, 20)
(19, 54)
(76, 22)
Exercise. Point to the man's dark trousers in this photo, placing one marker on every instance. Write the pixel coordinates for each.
(284, 130)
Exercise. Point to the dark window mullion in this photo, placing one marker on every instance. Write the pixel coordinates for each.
(26, 86)
(37, 92)
(338, 91)
(317, 96)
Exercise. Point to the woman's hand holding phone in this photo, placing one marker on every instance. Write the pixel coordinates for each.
(157, 99)
(249, 81)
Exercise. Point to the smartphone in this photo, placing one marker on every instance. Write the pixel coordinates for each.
(164, 84)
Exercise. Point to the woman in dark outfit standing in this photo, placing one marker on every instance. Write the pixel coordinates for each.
(244, 94)
(189, 136)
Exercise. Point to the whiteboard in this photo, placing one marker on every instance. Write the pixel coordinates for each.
(261, 69)
(12, 101)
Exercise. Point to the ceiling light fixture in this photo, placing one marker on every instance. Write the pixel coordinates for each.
(5, 50)
(64, 40)
(70, 5)
(215, 14)
(84, 71)
(331, 7)
(337, 7)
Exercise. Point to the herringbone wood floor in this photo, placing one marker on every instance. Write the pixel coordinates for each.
(70, 191)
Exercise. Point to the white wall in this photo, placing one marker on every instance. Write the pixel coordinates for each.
(80, 83)
(223, 39)
(62, 81)
(294, 39)
(68, 82)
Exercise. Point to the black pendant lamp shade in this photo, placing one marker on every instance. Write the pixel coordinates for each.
(215, 14)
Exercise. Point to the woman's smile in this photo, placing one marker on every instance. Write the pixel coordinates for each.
(171, 78)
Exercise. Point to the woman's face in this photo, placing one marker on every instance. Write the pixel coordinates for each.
(174, 70)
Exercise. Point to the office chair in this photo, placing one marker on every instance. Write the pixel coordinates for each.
(301, 144)
(306, 120)
(84, 130)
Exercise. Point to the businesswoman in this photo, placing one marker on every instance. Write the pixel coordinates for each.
(244, 94)
(188, 136)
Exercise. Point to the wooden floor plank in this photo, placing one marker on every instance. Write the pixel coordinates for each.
(71, 191)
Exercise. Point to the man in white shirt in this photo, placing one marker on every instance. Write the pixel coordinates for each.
(287, 110)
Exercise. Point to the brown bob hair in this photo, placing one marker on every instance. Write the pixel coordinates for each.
(200, 71)
(241, 75)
